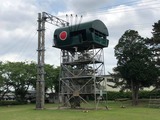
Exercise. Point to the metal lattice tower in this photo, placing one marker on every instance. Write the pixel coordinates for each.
(82, 62)
(81, 76)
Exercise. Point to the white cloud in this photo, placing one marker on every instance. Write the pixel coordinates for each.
(82, 6)
(17, 21)
(9, 57)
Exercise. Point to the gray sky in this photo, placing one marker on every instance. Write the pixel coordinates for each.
(18, 22)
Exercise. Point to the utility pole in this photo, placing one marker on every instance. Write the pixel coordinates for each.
(40, 83)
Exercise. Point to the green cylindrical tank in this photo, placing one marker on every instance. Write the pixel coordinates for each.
(82, 36)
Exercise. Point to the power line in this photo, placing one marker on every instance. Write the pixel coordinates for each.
(129, 3)
(25, 47)
(121, 9)
(95, 9)
(21, 49)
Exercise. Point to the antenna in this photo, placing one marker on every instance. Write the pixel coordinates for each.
(71, 20)
(76, 17)
(76, 22)
(80, 20)
(67, 18)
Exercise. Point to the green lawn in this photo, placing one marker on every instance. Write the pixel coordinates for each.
(27, 112)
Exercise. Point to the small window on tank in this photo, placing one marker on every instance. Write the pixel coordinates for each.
(91, 29)
(99, 34)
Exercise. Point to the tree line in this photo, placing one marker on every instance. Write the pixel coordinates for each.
(138, 61)
(19, 77)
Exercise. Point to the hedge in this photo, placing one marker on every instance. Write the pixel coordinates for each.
(112, 95)
(5, 103)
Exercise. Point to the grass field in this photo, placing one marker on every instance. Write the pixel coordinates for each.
(115, 112)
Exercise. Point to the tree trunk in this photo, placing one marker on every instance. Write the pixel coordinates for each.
(134, 90)
(136, 94)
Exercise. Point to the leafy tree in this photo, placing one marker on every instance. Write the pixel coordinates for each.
(51, 78)
(17, 77)
(154, 44)
(5, 82)
(20, 76)
(31, 69)
(134, 64)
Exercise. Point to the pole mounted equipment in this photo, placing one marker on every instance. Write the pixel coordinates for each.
(40, 83)
(40, 92)
(55, 20)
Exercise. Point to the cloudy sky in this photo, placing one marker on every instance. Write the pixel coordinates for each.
(18, 24)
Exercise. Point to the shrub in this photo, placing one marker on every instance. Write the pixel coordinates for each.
(5, 103)
(112, 95)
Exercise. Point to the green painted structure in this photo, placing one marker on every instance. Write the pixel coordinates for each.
(82, 35)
